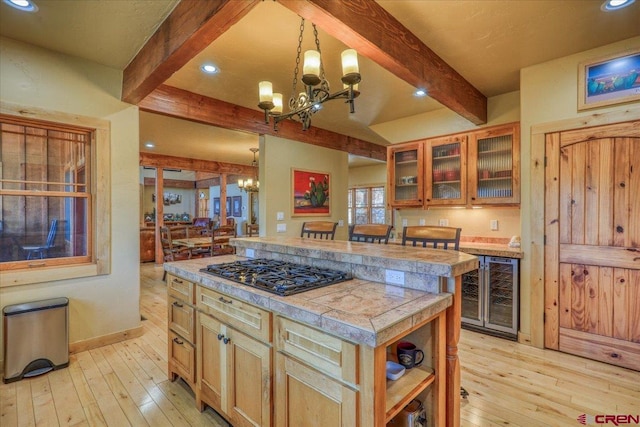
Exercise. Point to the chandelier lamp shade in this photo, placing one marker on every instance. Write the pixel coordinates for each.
(303, 105)
(249, 185)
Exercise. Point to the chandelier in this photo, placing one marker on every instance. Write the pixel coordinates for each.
(305, 104)
(247, 184)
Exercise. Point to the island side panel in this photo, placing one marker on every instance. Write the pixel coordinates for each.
(454, 313)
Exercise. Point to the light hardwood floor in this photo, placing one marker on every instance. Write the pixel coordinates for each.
(126, 383)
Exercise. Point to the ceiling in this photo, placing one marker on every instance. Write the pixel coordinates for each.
(487, 42)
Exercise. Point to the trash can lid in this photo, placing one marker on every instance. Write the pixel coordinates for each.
(10, 310)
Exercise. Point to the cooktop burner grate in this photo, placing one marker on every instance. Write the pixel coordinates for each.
(278, 277)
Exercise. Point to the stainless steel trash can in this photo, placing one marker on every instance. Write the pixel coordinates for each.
(36, 338)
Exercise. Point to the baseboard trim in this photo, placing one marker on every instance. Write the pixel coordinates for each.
(524, 338)
(103, 340)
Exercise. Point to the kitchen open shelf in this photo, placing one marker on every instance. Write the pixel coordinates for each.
(402, 391)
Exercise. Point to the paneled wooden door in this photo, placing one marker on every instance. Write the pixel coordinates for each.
(592, 251)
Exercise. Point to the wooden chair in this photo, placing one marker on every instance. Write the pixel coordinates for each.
(170, 252)
(434, 236)
(42, 250)
(319, 229)
(252, 229)
(220, 241)
(370, 233)
(200, 227)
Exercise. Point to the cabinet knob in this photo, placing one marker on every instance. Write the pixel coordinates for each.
(226, 340)
(220, 336)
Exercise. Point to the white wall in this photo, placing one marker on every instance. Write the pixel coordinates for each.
(35, 77)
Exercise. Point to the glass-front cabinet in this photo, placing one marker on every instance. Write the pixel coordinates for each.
(446, 172)
(406, 171)
(494, 166)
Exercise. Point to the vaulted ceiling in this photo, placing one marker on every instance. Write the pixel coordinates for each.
(460, 51)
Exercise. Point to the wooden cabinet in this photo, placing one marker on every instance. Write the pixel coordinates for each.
(494, 166)
(234, 368)
(181, 320)
(405, 175)
(446, 177)
(466, 169)
(316, 378)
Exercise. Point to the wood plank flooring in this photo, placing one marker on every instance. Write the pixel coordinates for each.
(125, 384)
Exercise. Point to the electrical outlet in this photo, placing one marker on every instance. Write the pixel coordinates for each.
(250, 253)
(493, 224)
(422, 221)
(443, 222)
(394, 277)
(404, 223)
(281, 228)
(280, 216)
(341, 223)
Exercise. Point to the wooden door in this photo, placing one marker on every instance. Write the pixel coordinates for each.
(592, 252)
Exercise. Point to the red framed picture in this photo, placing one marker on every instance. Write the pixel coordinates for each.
(311, 193)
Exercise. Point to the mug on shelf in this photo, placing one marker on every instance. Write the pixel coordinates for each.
(409, 355)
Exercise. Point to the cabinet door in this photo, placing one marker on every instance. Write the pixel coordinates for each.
(494, 166)
(405, 175)
(248, 364)
(182, 319)
(210, 361)
(446, 172)
(182, 360)
(305, 397)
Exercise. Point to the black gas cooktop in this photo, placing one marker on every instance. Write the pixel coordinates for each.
(278, 277)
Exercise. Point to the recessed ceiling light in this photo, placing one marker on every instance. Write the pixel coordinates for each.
(149, 145)
(420, 92)
(24, 5)
(209, 69)
(610, 5)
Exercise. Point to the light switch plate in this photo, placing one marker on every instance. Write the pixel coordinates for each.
(394, 277)
(404, 223)
(281, 228)
(493, 224)
(422, 221)
(280, 216)
(443, 222)
(340, 223)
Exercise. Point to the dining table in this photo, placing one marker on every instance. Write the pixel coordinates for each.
(200, 242)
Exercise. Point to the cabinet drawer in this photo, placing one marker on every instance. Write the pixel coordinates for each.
(242, 316)
(180, 288)
(326, 353)
(182, 357)
(182, 319)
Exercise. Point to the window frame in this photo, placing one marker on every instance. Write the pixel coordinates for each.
(99, 225)
(351, 202)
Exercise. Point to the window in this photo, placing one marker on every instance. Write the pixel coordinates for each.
(50, 212)
(366, 205)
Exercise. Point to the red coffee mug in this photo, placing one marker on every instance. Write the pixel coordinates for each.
(409, 355)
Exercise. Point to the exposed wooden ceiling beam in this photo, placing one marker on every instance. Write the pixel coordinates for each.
(190, 28)
(369, 29)
(171, 162)
(182, 104)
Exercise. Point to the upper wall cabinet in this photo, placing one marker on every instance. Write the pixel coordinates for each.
(494, 166)
(446, 172)
(405, 175)
(466, 169)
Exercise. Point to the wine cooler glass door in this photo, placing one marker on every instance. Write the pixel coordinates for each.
(501, 298)
(472, 297)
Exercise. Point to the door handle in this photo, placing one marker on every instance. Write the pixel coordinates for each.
(177, 341)
(226, 301)
(177, 304)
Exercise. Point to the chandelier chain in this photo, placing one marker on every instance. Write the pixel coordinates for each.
(297, 69)
(315, 34)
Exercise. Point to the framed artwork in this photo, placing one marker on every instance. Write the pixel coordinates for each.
(216, 205)
(311, 193)
(237, 206)
(610, 80)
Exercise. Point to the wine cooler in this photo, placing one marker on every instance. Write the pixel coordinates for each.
(490, 296)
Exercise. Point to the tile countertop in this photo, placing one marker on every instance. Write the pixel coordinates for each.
(360, 311)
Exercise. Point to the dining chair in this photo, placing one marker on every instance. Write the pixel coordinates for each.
(42, 250)
(252, 230)
(170, 252)
(432, 236)
(370, 233)
(319, 229)
(220, 241)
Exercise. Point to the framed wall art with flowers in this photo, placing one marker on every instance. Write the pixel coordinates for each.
(311, 193)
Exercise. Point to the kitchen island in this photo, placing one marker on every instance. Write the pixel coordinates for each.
(331, 344)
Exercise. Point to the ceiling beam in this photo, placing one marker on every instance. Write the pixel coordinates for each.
(191, 27)
(162, 161)
(182, 104)
(368, 28)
